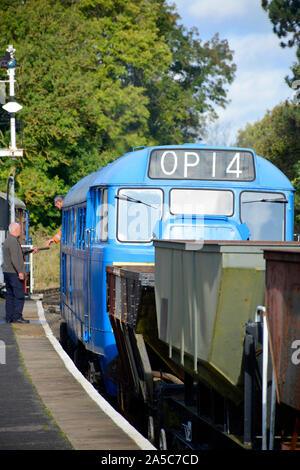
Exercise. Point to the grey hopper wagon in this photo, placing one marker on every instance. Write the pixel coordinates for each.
(205, 294)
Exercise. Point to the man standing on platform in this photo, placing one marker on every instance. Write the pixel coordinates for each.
(14, 274)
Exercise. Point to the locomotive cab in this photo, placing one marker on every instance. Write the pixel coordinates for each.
(188, 192)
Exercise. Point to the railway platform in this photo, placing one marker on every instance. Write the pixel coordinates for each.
(45, 402)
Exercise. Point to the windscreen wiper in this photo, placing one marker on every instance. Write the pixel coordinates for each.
(132, 199)
(278, 200)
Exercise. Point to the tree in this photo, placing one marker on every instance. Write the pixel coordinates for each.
(98, 77)
(285, 17)
(182, 100)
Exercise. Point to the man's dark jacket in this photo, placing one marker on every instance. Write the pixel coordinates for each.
(13, 259)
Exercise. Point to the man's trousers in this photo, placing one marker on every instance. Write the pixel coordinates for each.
(15, 297)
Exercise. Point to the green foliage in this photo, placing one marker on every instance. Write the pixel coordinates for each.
(276, 137)
(46, 265)
(98, 77)
(285, 17)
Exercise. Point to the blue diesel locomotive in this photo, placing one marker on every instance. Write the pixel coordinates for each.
(185, 192)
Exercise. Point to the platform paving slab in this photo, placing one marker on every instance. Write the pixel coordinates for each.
(25, 422)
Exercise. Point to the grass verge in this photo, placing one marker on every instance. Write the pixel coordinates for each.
(46, 264)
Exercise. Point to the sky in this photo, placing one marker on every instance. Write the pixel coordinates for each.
(262, 64)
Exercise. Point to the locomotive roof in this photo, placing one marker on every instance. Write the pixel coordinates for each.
(132, 169)
(78, 192)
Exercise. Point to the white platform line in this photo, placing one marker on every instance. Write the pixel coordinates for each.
(118, 419)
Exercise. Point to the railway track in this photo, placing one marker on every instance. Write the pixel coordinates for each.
(50, 299)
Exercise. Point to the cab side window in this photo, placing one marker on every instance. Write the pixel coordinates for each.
(80, 232)
(100, 213)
